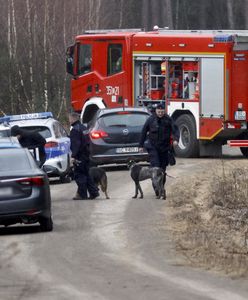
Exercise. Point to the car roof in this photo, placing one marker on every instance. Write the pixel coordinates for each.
(104, 111)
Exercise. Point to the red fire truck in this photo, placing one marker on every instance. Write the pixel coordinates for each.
(201, 76)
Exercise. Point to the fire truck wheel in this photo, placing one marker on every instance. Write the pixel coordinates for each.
(188, 145)
(244, 151)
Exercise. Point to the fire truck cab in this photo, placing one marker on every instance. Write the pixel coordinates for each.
(201, 76)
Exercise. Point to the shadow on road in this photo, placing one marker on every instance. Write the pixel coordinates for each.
(121, 167)
(26, 229)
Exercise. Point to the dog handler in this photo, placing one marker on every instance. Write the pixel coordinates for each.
(156, 137)
(80, 159)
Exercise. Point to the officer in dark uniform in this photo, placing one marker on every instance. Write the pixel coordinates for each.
(156, 137)
(31, 139)
(80, 159)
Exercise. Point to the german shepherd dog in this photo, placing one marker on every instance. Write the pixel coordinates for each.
(140, 173)
(99, 177)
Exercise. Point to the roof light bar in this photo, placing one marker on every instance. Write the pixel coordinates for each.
(41, 115)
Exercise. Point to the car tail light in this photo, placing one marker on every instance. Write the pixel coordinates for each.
(51, 145)
(38, 181)
(98, 134)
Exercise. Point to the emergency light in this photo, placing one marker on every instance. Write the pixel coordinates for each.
(4, 120)
(223, 38)
(32, 116)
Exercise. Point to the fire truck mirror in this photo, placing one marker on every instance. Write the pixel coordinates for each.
(69, 59)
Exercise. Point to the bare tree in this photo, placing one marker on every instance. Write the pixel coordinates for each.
(10, 52)
(30, 55)
(35, 35)
(121, 14)
(46, 19)
(230, 13)
(145, 14)
(168, 14)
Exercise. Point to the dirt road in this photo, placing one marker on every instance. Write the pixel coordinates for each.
(113, 249)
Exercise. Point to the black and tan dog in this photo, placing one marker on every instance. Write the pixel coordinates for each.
(99, 177)
(140, 173)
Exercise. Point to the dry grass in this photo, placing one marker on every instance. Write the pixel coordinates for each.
(208, 219)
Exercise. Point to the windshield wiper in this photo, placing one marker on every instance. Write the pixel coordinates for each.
(118, 125)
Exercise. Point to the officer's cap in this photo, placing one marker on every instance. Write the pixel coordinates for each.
(160, 106)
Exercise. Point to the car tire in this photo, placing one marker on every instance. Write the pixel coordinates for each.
(188, 145)
(65, 179)
(244, 151)
(46, 224)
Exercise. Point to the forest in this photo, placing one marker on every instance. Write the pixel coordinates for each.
(35, 34)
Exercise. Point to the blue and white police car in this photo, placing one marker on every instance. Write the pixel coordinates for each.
(57, 141)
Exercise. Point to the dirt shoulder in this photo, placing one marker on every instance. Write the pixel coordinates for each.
(207, 217)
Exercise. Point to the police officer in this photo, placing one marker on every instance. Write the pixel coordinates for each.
(31, 139)
(156, 137)
(80, 159)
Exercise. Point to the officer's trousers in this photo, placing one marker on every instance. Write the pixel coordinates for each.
(158, 158)
(84, 181)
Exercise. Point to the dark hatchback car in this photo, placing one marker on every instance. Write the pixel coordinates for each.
(115, 134)
(24, 190)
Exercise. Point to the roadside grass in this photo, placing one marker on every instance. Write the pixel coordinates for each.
(208, 219)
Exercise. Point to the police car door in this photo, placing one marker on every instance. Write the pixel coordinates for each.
(63, 145)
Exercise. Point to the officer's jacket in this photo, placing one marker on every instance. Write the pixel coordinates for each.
(79, 141)
(31, 139)
(159, 131)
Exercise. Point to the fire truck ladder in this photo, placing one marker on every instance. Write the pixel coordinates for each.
(101, 31)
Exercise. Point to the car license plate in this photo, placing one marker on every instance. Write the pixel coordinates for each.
(240, 115)
(127, 150)
(5, 191)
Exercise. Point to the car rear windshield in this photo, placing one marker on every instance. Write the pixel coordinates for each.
(125, 119)
(43, 130)
(13, 160)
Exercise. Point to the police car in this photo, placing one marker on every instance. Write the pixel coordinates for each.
(57, 145)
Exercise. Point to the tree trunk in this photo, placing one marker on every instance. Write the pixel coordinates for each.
(169, 14)
(46, 19)
(202, 15)
(145, 14)
(121, 14)
(17, 66)
(30, 56)
(230, 14)
(98, 14)
(10, 57)
(62, 94)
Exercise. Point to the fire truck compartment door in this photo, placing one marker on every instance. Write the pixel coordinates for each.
(212, 87)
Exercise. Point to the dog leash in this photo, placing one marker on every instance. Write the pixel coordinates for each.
(170, 176)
